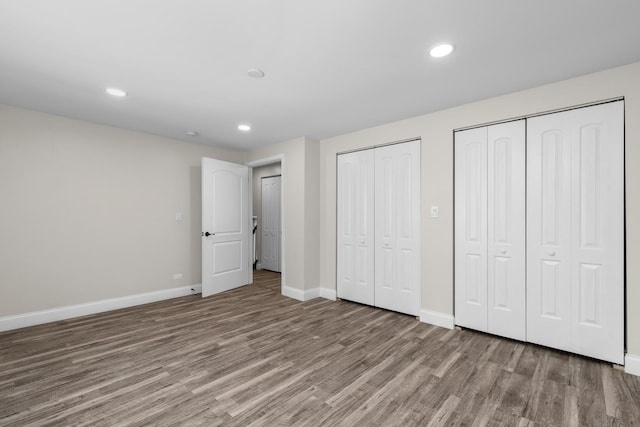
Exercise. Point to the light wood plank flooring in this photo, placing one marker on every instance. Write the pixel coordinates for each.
(251, 357)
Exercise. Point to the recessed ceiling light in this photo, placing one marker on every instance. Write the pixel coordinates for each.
(441, 50)
(114, 91)
(191, 133)
(244, 128)
(255, 73)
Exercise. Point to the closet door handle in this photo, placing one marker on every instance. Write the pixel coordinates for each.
(552, 253)
(503, 251)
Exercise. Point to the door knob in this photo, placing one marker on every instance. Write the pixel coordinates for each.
(552, 253)
(503, 251)
(209, 234)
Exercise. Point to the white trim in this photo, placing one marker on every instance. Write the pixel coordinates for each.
(70, 311)
(265, 161)
(436, 318)
(258, 266)
(300, 295)
(328, 294)
(632, 364)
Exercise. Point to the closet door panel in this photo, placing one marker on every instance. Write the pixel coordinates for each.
(397, 223)
(598, 230)
(355, 225)
(548, 232)
(470, 222)
(576, 231)
(506, 230)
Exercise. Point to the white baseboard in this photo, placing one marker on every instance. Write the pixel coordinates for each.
(632, 364)
(328, 294)
(299, 294)
(437, 318)
(70, 311)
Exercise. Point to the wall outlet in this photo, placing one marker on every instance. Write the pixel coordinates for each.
(434, 212)
(177, 276)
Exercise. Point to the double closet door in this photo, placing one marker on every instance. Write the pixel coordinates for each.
(554, 276)
(378, 227)
(490, 229)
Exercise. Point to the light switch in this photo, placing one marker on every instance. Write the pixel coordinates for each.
(179, 216)
(434, 212)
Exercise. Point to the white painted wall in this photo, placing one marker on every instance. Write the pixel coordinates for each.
(436, 131)
(88, 211)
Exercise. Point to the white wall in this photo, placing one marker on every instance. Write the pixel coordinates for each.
(88, 211)
(436, 131)
(258, 174)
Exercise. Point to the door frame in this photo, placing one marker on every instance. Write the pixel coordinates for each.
(278, 158)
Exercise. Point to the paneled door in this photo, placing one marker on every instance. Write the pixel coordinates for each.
(506, 287)
(575, 231)
(490, 229)
(271, 188)
(470, 222)
(397, 227)
(355, 226)
(226, 232)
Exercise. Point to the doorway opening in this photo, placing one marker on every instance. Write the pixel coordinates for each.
(269, 238)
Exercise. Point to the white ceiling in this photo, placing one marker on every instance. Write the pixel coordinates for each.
(332, 66)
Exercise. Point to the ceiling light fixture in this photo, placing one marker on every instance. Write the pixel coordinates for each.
(114, 91)
(244, 128)
(255, 73)
(191, 133)
(441, 50)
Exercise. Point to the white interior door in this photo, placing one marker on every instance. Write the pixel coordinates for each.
(575, 231)
(506, 270)
(355, 226)
(226, 228)
(470, 222)
(271, 188)
(397, 227)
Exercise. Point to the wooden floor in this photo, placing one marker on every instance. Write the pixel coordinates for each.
(251, 357)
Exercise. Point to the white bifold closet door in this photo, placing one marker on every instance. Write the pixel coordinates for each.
(575, 231)
(490, 229)
(397, 227)
(378, 227)
(355, 226)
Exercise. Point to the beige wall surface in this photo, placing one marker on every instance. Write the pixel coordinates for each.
(258, 174)
(293, 177)
(312, 214)
(88, 211)
(436, 132)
